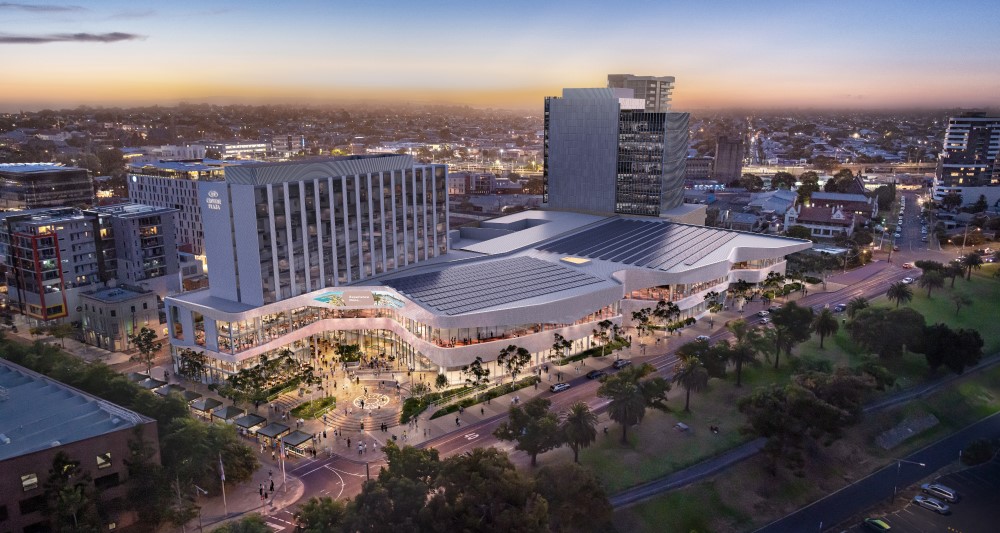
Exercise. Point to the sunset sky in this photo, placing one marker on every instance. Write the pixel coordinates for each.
(510, 53)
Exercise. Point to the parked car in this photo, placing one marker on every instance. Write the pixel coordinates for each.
(839, 308)
(763, 313)
(773, 308)
(705, 338)
(876, 524)
(907, 265)
(765, 320)
(940, 491)
(559, 387)
(621, 363)
(596, 374)
(907, 280)
(933, 504)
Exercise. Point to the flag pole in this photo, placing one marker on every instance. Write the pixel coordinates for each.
(222, 475)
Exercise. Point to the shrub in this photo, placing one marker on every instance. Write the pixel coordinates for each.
(813, 280)
(412, 407)
(495, 392)
(979, 451)
(315, 408)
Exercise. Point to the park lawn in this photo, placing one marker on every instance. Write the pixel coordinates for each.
(698, 508)
(656, 448)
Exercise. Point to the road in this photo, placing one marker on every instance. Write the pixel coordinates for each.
(883, 484)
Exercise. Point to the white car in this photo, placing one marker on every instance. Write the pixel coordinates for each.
(762, 313)
(559, 387)
(907, 280)
(705, 338)
(940, 492)
(933, 504)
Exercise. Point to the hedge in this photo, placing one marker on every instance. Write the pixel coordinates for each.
(495, 392)
(315, 408)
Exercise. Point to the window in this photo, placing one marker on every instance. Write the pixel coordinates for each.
(29, 481)
(33, 504)
(112, 312)
(104, 460)
(107, 482)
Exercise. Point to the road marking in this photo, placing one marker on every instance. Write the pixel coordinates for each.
(471, 436)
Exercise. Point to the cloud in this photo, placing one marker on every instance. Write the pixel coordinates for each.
(40, 8)
(70, 37)
(132, 14)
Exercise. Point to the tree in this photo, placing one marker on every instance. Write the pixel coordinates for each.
(960, 300)
(713, 301)
(602, 333)
(513, 359)
(951, 201)
(560, 345)
(714, 360)
(792, 325)
(899, 292)
(971, 261)
(666, 311)
(745, 348)
(441, 381)
(319, 515)
(348, 353)
(579, 428)
(825, 324)
(533, 427)
(61, 331)
(953, 349)
(691, 374)
(641, 319)
(192, 363)
(145, 342)
(752, 183)
(809, 184)
(782, 180)
(774, 280)
(932, 279)
(577, 501)
(886, 332)
(856, 305)
(148, 488)
(953, 270)
(631, 394)
(475, 373)
(70, 498)
(799, 232)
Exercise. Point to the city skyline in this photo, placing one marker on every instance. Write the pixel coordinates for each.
(767, 54)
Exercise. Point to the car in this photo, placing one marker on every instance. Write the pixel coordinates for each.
(933, 504)
(762, 313)
(596, 374)
(765, 320)
(896, 235)
(940, 491)
(907, 280)
(559, 387)
(907, 265)
(875, 524)
(895, 248)
(621, 363)
(705, 338)
(839, 308)
(773, 308)
(923, 239)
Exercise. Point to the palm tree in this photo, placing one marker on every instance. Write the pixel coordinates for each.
(856, 305)
(825, 324)
(932, 280)
(899, 292)
(579, 427)
(630, 397)
(973, 260)
(746, 348)
(953, 270)
(691, 374)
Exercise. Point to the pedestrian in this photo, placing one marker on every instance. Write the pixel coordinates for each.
(272, 485)
(481, 411)
(269, 474)
(366, 448)
(324, 433)
(457, 423)
(359, 448)
(273, 457)
(348, 442)
(261, 489)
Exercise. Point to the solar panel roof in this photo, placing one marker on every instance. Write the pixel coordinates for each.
(468, 288)
(652, 244)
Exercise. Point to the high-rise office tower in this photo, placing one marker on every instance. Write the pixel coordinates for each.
(654, 90)
(605, 153)
(35, 185)
(728, 159)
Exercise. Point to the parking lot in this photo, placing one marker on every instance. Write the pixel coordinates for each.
(978, 510)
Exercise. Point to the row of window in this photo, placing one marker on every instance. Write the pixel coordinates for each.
(30, 481)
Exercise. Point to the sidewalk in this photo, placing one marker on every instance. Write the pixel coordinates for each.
(245, 498)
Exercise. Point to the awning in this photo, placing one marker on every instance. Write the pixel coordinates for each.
(151, 383)
(205, 404)
(228, 412)
(296, 438)
(273, 430)
(167, 389)
(249, 421)
(190, 395)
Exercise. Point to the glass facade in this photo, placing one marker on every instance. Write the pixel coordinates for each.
(640, 162)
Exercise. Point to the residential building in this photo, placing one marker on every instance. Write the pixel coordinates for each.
(655, 91)
(866, 207)
(35, 185)
(41, 417)
(603, 140)
(167, 152)
(52, 255)
(968, 165)
(112, 314)
(728, 159)
(174, 184)
(823, 222)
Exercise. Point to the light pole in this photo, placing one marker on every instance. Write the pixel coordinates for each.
(899, 465)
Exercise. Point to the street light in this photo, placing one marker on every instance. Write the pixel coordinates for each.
(899, 464)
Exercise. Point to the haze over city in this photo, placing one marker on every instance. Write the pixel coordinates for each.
(509, 54)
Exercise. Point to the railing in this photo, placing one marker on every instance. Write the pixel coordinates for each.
(458, 395)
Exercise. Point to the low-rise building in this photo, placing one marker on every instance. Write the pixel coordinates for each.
(41, 417)
(864, 206)
(823, 222)
(112, 314)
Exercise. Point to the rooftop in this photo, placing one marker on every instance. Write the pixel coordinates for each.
(116, 294)
(267, 173)
(27, 168)
(461, 289)
(37, 413)
(129, 210)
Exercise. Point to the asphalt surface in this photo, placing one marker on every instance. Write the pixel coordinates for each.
(825, 514)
